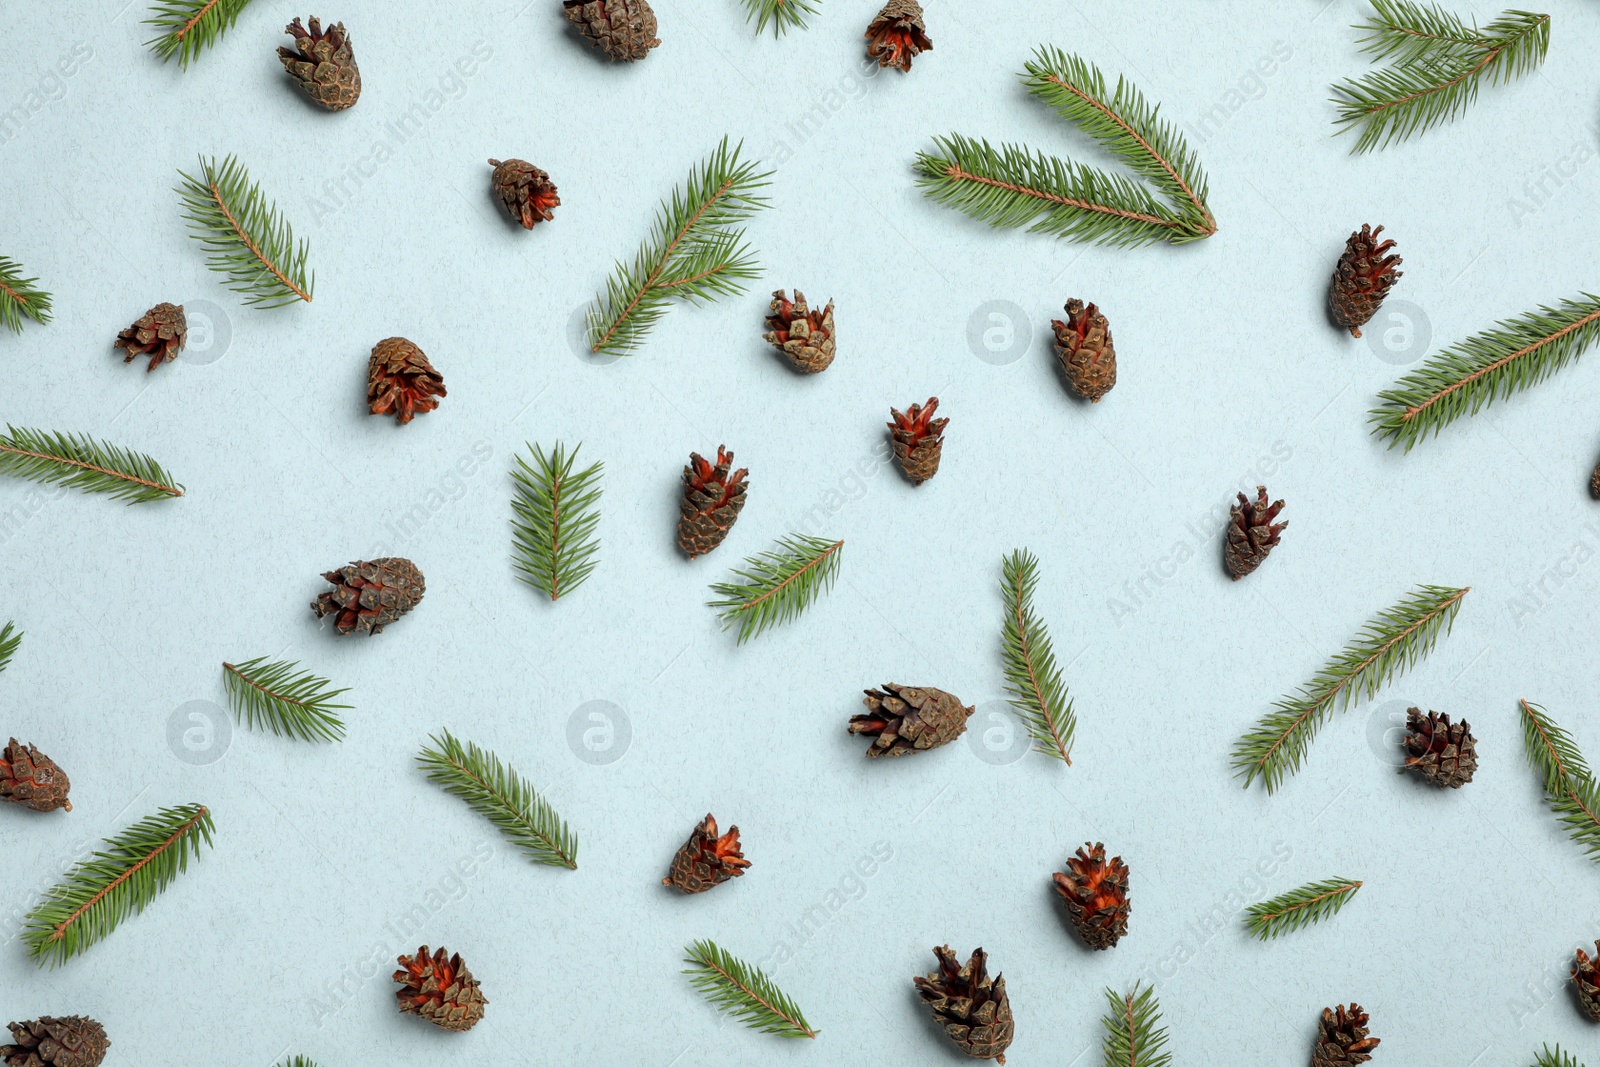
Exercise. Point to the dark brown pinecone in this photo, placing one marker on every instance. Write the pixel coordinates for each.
(1342, 1038)
(974, 1012)
(323, 64)
(1586, 979)
(1096, 892)
(902, 719)
(897, 35)
(368, 595)
(401, 381)
(625, 30)
(160, 334)
(440, 989)
(1594, 482)
(68, 1041)
(1084, 348)
(525, 190)
(918, 440)
(1362, 279)
(706, 860)
(1445, 753)
(804, 335)
(32, 779)
(1251, 533)
(712, 500)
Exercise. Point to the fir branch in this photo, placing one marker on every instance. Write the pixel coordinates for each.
(743, 991)
(1569, 786)
(81, 462)
(119, 881)
(20, 297)
(1468, 376)
(1037, 691)
(692, 252)
(298, 1061)
(1556, 1058)
(10, 639)
(1134, 1036)
(1390, 643)
(1309, 904)
(245, 238)
(187, 27)
(500, 795)
(1406, 32)
(557, 513)
(779, 584)
(782, 14)
(285, 700)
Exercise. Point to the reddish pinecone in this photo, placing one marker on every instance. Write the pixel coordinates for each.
(1085, 350)
(1251, 533)
(32, 779)
(401, 381)
(903, 719)
(712, 500)
(625, 30)
(975, 1012)
(804, 335)
(1362, 279)
(368, 595)
(1586, 978)
(68, 1041)
(440, 989)
(323, 64)
(1096, 893)
(525, 190)
(1342, 1038)
(160, 334)
(706, 860)
(918, 440)
(1445, 753)
(897, 35)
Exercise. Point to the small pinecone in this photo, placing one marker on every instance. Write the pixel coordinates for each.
(1251, 533)
(1362, 279)
(401, 381)
(625, 30)
(974, 1011)
(1085, 350)
(1594, 482)
(1096, 893)
(1586, 977)
(903, 719)
(805, 336)
(68, 1041)
(370, 594)
(897, 35)
(160, 334)
(32, 779)
(525, 190)
(1446, 753)
(706, 860)
(712, 500)
(440, 989)
(1342, 1038)
(918, 440)
(323, 64)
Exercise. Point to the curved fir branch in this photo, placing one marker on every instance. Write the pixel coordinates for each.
(777, 585)
(185, 28)
(556, 512)
(20, 297)
(782, 14)
(1134, 1035)
(1549, 1057)
(743, 991)
(246, 239)
(1311, 903)
(10, 640)
(284, 699)
(502, 796)
(1568, 784)
(81, 462)
(1034, 680)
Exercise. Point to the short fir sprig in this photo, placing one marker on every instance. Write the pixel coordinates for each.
(501, 795)
(743, 991)
(1555, 1058)
(1134, 1035)
(298, 1061)
(1569, 785)
(556, 513)
(777, 585)
(20, 297)
(188, 27)
(247, 240)
(280, 697)
(1037, 691)
(1311, 903)
(10, 640)
(780, 14)
(80, 462)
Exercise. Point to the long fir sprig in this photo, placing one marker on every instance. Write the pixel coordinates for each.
(1311, 903)
(1555, 1058)
(1391, 642)
(1134, 1035)
(10, 640)
(1569, 785)
(284, 699)
(743, 991)
(781, 14)
(80, 462)
(777, 585)
(247, 240)
(188, 27)
(20, 297)
(1037, 691)
(502, 796)
(556, 515)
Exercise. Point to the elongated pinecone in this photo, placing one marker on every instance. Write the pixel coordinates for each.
(625, 30)
(67, 1041)
(370, 594)
(918, 440)
(160, 334)
(804, 335)
(1445, 753)
(902, 719)
(1586, 978)
(1362, 279)
(974, 1011)
(525, 190)
(706, 860)
(32, 779)
(401, 381)
(897, 35)
(1096, 892)
(440, 989)
(323, 64)
(1342, 1038)
(712, 500)
(1084, 348)
(1251, 533)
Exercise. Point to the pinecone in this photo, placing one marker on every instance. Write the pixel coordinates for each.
(323, 64)
(1446, 753)
(440, 989)
(1594, 482)
(32, 779)
(918, 440)
(68, 1041)
(1085, 350)
(1586, 978)
(623, 29)
(1362, 279)
(1251, 533)
(1342, 1038)
(975, 1012)
(897, 35)
(1096, 893)
(805, 336)
(706, 860)
(160, 334)
(903, 719)
(712, 500)
(370, 594)
(401, 381)
(525, 190)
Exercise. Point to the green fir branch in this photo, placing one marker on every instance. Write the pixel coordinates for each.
(1390, 643)
(776, 586)
(1034, 680)
(782, 14)
(1569, 785)
(119, 881)
(743, 991)
(284, 699)
(1556, 1058)
(298, 1061)
(188, 27)
(1404, 32)
(20, 297)
(10, 640)
(80, 462)
(502, 796)
(1134, 1035)
(1309, 904)
(246, 239)
(556, 515)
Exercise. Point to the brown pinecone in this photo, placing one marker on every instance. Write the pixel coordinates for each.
(368, 595)
(401, 381)
(897, 35)
(804, 335)
(903, 719)
(1096, 893)
(525, 190)
(712, 500)
(1362, 279)
(68, 1041)
(1085, 350)
(918, 440)
(1342, 1038)
(1594, 482)
(32, 779)
(440, 989)
(160, 334)
(323, 64)
(1251, 533)
(1586, 978)
(975, 1012)
(1445, 753)
(623, 29)
(706, 860)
